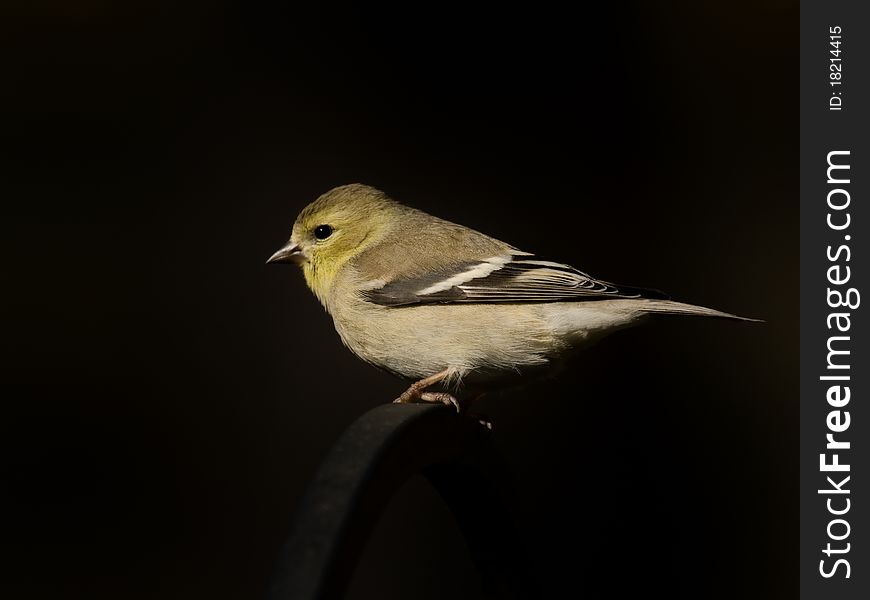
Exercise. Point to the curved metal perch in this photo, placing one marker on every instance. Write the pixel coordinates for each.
(365, 467)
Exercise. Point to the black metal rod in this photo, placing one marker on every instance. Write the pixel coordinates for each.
(370, 461)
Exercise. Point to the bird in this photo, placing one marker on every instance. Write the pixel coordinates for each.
(452, 310)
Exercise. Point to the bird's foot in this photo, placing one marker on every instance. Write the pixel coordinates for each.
(442, 397)
(415, 391)
(410, 395)
(407, 397)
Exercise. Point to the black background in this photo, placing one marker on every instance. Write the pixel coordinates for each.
(167, 396)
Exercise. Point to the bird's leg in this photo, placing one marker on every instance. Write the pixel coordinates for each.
(416, 391)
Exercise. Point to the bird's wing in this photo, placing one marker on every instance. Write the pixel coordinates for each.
(511, 277)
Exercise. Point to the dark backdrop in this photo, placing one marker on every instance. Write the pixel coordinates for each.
(166, 396)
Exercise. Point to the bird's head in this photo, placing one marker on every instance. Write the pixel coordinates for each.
(333, 229)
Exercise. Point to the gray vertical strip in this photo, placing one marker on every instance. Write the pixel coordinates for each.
(823, 131)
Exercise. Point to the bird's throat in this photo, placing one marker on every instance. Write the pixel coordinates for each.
(319, 278)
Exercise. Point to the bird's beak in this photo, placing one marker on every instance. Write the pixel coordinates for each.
(291, 253)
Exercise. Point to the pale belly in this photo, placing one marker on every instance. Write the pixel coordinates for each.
(482, 345)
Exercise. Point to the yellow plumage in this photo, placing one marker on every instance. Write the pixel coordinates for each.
(430, 300)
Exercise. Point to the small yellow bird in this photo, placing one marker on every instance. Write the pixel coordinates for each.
(447, 306)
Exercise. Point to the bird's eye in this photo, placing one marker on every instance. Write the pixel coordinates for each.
(321, 232)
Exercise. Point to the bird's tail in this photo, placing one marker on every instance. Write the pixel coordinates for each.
(670, 307)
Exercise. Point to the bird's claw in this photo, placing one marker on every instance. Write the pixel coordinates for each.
(406, 398)
(442, 397)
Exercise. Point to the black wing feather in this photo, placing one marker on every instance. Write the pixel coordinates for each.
(524, 279)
